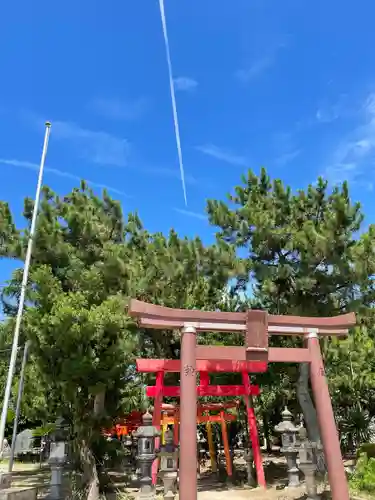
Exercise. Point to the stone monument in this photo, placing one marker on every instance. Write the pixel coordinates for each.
(289, 448)
(146, 435)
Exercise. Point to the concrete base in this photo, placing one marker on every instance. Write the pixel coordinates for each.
(18, 494)
(5, 480)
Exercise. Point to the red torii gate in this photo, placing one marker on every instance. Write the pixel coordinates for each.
(204, 367)
(203, 417)
(257, 326)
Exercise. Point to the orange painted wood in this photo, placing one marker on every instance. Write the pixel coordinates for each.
(204, 406)
(224, 433)
(176, 427)
(204, 418)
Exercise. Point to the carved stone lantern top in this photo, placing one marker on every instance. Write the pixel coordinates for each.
(286, 425)
(168, 448)
(168, 454)
(61, 431)
(288, 431)
(168, 437)
(147, 418)
(146, 430)
(58, 449)
(128, 442)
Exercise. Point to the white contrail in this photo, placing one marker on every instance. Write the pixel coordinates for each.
(173, 97)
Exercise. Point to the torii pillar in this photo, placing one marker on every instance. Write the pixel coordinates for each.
(188, 409)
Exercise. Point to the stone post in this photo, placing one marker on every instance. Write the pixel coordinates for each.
(57, 459)
(135, 465)
(146, 435)
(128, 460)
(168, 454)
(200, 452)
(289, 448)
(249, 459)
(307, 464)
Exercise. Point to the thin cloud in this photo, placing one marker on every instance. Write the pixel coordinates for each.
(184, 83)
(328, 113)
(188, 213)
(94, 146)
(352, 156)
(286, 158)
(263, 63)
(256, 69)
(120, 110)
(169, 173)
(61, 173)
(98, 147)
(223, 155)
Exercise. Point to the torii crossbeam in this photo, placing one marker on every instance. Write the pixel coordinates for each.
(256, 326)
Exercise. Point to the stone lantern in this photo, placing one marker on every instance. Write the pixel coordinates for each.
(289, 448)
(58, 458)
(146, 435)
(168, 454)
(308, 464)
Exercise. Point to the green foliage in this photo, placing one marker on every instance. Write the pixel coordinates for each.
(8, 232)
(351, 371)
(44, 430)
(363, 478)
(87, 262)
(302, 254)
(368, 448)
(300, 251)
(301, 246)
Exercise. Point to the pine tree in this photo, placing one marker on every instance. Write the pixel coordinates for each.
(303, 254)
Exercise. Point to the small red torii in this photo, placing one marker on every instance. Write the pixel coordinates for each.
(204, 367)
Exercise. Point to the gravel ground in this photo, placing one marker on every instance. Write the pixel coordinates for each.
(209, 488)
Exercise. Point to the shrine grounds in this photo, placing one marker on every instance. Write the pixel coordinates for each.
(209, 488)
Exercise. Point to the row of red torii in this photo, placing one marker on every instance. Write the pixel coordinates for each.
(253, 357)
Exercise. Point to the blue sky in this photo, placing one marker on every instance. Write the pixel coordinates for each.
(289, 85)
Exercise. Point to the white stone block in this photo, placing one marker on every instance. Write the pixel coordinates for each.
(18, 494)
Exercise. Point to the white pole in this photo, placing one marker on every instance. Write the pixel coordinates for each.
(13, 357)
(18, 408)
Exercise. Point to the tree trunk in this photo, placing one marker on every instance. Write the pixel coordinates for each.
(99, 403)
(309, 412)
(307, 406)
(90, 472)
(88, 461)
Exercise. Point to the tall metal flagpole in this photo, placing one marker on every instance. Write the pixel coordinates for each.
(13, 357)
(18, 408)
